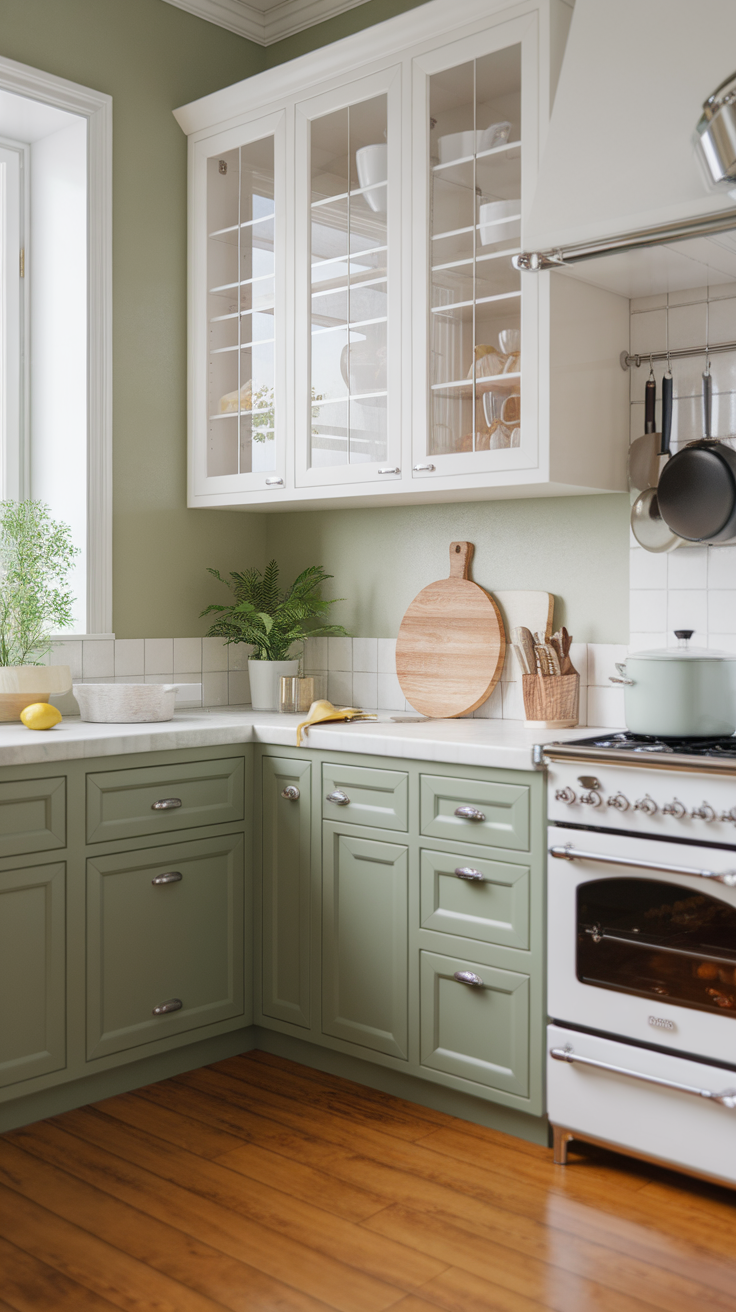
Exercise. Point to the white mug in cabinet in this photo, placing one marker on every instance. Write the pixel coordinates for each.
(372, 165)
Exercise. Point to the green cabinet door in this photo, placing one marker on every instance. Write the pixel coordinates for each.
(364, 795)
(364, 941)
(161, 798)
(475, 811)
(473, 897)
(32, 972)
(32, 815)
(164, 942)
(477, 1030)
(286, 811)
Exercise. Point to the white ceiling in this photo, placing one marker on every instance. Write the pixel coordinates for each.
(265, 21)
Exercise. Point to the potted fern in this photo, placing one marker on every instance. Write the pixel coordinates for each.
(272, 621)
(36, 554)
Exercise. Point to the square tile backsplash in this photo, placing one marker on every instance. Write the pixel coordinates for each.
(692, 587)
(359, 671)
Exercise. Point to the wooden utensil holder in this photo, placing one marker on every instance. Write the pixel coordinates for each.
(551, 701)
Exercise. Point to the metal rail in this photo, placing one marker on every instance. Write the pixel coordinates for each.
(629, 361)
(641, 239)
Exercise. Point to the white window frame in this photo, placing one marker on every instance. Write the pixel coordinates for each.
(13, 317)
(96, 108)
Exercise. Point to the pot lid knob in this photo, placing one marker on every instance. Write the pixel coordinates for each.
(685, 634)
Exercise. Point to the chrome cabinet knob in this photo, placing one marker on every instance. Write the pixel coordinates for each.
(675, 808)
(619, 802)
(728, 817)
(163, 1008)
(424, 469)
(391, 470)
(565, 795)
(646, 804)
(171, 877)
(274, 482)
(166, 804)
(468, 977)
(704, 812)
(593, 798)
(469, 813)
(467, 872)
(338, 798)
(291, 793)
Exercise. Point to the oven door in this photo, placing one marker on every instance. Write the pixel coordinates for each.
(641, 943)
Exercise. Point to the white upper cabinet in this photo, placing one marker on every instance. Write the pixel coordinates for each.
(358, 331)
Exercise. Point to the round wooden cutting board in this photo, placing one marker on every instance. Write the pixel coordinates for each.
(451, 644)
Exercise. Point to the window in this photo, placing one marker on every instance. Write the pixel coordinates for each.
(55, 309)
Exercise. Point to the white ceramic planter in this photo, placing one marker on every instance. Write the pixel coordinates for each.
(264, 682)
(22, 685)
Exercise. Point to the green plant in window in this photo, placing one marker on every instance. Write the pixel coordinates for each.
(36, 555)
(263, 413)
(267, 618)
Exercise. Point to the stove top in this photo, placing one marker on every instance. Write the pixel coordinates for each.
(639, 742)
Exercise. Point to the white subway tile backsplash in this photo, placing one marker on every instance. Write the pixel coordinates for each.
(365, 655)
(315, 655)
(722, 567)
(641, 303)
(647, 569)
(215, 688)
(687, 326)
(238, 687)
(238, 655)
(390, 696)
(340, 655)
(159, 656)
(648, 331)
(67, 653)
(365, 689)
(98, 659)
(602, 661)
(647, 641)
(386, 655)
(688, 609)
(687, 567)
(648, 610)
(214, 655)
(340, 687)
(606, 707)
(513, 701)
(129, 656)
(187, 654)
(722, 610)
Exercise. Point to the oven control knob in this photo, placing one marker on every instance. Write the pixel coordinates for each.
(591, 798)
(675, 808)
(646, 804)
(620, 802)
(565, 795)
(704, 812)
(728, 817)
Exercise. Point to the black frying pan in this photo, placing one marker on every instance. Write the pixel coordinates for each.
(697, 487)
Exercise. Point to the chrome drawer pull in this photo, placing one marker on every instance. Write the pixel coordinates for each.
(167, 804)
(274, 482)
(726, 1099)
(291, 793)
(469, 813)
(393, 470)
(338, 798)
(171, 877)
(570, 853)
(163, 1009)
(467, 977)
(467, 872)
(421, 469)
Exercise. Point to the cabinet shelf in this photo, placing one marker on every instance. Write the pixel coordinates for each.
(482, 154)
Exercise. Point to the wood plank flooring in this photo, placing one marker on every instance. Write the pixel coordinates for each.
(257, 1185)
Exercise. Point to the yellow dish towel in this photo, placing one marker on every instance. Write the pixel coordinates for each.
(322, 711)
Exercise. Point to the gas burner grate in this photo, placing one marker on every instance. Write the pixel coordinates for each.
(634, 742)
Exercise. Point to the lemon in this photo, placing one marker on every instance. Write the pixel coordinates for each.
(40, 716)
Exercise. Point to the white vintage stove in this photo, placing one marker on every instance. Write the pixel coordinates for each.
(642, 949)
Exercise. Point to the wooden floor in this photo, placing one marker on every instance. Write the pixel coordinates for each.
(259, 1185)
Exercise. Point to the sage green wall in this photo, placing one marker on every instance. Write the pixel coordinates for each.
(574, 547)
(150, 57)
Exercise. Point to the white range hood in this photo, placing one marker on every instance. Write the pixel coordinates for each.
(619, 154)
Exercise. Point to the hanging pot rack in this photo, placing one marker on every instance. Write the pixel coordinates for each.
(635, 361)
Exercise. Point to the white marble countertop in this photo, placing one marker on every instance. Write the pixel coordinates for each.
(505, 744)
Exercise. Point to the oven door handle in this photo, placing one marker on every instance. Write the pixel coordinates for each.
(570, 853)
(726, 1099)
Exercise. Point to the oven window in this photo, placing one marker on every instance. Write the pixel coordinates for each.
(659, 941)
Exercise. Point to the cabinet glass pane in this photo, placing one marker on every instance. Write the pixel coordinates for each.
(475, 292)
(349, 298)
(241, 309)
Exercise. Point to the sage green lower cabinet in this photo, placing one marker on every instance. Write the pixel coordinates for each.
(32, 815)
(501, 811)
(365, 941)
(286, 888)
(32, 972)
(144, 801)
(478, 898)
(365, 795)
(164, 926)
(477, 1029)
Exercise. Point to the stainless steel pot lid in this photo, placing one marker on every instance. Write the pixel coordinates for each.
(683, 651)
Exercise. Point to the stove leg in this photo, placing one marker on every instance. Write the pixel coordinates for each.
(560, 1140)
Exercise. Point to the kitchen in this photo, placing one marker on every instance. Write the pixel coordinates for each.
(576, 547)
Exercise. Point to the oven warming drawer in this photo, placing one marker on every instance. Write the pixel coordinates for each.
(651, 1120)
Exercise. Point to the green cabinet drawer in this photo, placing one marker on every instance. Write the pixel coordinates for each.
(364, 941)
(286, 831)
(161, 798)
(362, 795)
(32, 816)
(496, 815)
(151, 943)
(478, 1032)
(32, 972)
(486, 900)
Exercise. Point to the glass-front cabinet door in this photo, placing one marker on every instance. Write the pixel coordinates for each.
(238, 387)
(348, 361)
(474, 124)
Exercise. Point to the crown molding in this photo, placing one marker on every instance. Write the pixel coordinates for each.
(263, 21)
